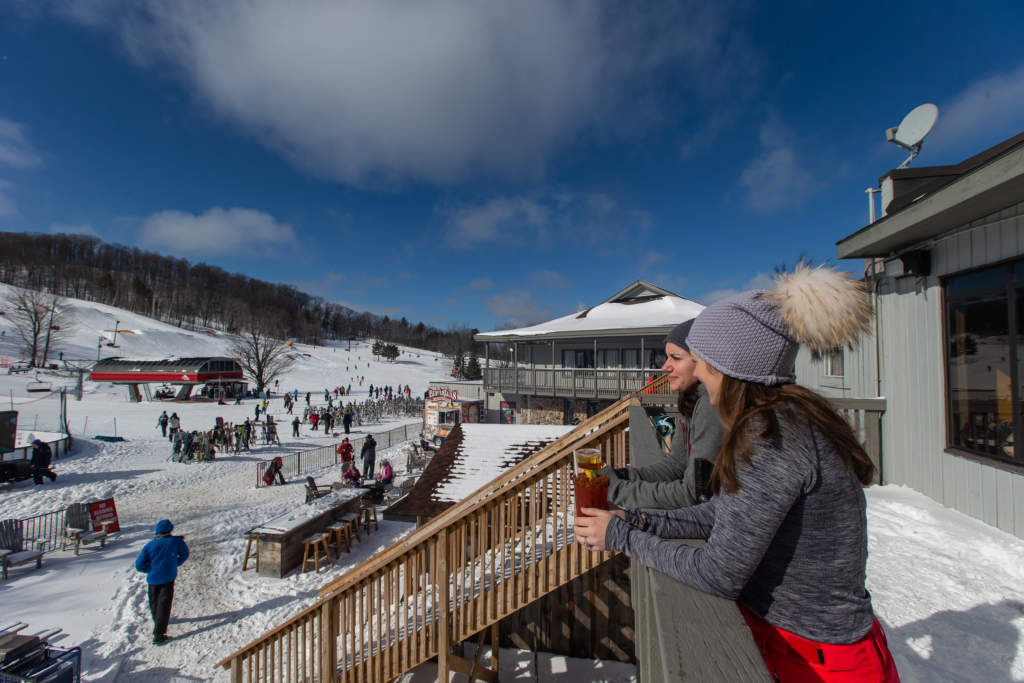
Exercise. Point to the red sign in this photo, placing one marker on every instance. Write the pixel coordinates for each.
(104, 511)
(437, 392)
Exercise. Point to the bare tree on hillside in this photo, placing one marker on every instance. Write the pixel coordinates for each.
(59, 323)
(263, 356)
(41, 320)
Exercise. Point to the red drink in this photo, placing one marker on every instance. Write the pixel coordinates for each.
(591, 491)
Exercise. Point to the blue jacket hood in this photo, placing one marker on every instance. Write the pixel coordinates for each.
(164, 526)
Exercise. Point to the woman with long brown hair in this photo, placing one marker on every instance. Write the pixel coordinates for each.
(787, 530)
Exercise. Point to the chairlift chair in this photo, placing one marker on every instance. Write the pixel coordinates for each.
(39, 386)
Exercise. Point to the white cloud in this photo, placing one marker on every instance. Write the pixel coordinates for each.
(547, 279)
(543, 220)
(759, 281)
(984, 113)
(435, 91)
(480, 284)
(518, 307)
(776, 179)
(15, 149)
(66, 229)
(217, 231)
(7, 205)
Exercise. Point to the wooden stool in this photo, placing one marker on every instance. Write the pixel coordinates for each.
(313, 545)
(352, 519)
(370, 512)
(250, 553)
(341, 531)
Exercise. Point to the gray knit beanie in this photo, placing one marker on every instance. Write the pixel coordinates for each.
(754, 336)
(678, 334)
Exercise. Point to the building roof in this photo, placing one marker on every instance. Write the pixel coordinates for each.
(471, 456)
(640, 309)
(940, 198)
(168, 365)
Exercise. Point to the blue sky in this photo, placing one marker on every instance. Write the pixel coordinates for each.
(483, 162)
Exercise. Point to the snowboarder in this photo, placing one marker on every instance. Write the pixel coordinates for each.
(161, 422)
(369, 456)
(41, 456)
(160, 559)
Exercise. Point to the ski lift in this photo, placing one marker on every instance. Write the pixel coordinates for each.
(38, 386)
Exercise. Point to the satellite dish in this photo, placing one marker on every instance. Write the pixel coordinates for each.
(912, 131)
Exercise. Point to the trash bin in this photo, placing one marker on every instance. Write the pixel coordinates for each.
(56, 666)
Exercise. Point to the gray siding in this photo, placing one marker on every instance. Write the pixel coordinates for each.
(913, 374)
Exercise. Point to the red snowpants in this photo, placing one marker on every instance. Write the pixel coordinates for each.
(792, 659)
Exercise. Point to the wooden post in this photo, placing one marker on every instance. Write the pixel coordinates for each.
(329, 640)
(495, 634)
(515, 365)
(236, 670)
(444, 645)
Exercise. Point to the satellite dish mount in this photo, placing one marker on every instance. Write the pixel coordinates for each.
(912, 131)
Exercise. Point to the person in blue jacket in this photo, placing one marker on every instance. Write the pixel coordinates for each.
(160, 559)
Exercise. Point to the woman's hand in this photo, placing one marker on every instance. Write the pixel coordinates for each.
(590, 530)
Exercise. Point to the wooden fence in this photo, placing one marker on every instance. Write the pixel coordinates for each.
(500, 549)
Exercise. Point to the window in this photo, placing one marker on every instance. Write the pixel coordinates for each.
(577, 358)
(984, 349)
(607, 358)
(834, 363)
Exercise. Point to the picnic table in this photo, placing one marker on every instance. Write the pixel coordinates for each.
(280, 539)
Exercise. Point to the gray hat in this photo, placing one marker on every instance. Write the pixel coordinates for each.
(743, 337)
(754, 336)
(678, 334)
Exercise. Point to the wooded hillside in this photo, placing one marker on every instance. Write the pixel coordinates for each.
(191, 295)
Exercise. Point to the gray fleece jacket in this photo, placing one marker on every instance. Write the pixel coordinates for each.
(791, 544)
(670, 483)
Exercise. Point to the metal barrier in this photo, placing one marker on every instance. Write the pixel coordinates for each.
(47, 527)
(303, 462)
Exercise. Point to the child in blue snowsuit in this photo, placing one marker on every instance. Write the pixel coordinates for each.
(160, 559)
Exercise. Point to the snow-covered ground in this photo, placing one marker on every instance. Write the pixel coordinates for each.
(949, 589)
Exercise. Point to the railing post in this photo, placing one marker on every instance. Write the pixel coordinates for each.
(329, 640)
(444, 645)
(236, 670)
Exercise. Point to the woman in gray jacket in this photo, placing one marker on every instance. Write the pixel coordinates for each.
(683, 476)
(787, 529)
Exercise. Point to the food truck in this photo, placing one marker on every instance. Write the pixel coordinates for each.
(441, 413)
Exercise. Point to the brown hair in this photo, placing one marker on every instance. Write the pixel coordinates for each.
(687, 399)
(740, 402)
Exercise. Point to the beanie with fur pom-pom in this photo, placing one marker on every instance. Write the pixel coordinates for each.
(754, 336)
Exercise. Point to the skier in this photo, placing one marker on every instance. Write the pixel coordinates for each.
(174, 425)
(41, 456)
(307, 398)
(315, 419)
(257, 418)
(161, 422)
(160, 559)
(295, 426)
(369, 455)
(346, 421)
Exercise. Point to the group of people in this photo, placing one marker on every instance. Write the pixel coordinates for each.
(769, 474)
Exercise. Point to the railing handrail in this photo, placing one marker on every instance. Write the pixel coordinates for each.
(593, 428)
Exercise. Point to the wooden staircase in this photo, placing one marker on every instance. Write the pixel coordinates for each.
(503, 547)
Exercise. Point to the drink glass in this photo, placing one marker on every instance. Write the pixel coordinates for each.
(590, 487)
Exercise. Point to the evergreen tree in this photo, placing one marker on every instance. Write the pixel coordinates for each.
(472, 369)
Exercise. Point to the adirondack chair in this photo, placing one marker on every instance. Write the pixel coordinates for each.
(15, 549)
(313, 491)
(78, 528)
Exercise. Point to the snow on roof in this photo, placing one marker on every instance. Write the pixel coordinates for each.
(638, 308)
(486, 451)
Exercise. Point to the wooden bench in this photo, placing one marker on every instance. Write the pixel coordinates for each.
(13, 550)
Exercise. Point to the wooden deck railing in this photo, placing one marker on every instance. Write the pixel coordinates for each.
(501, 548)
